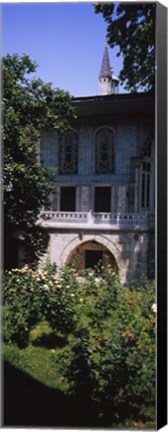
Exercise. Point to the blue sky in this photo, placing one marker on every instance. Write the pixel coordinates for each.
(65, 39)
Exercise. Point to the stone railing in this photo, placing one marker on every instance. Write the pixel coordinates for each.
(89, 219)
(125, 219)
(65, 217)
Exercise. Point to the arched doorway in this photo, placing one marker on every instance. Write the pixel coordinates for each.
(92, 254)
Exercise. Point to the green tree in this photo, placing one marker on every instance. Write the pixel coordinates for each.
(131, 27)
(29, 105)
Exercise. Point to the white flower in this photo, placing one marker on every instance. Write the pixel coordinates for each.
(154, 307)
(97, 279)
(56, 278)
(81, 300)
(45, 287)
(72, 295)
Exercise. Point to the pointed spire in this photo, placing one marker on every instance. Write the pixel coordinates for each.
(108, 83)
(105, 71)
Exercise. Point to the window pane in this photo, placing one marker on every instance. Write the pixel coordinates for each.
(143, 191)
(148, 191)
(68, 152)
(68, 199)
(104, 151)
(147, 151)
(102, 200)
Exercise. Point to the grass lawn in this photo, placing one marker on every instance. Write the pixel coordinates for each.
(39, 358)
(42, 386)
(34, 389)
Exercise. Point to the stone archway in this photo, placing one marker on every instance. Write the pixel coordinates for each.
(92, 254)
(87, 252)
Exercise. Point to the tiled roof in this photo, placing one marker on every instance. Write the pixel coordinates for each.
(105, 70)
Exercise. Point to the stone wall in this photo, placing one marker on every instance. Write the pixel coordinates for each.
(129, 249)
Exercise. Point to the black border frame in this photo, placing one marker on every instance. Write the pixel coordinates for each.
(161, 225)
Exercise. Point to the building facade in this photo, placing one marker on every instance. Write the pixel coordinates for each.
(103, 167)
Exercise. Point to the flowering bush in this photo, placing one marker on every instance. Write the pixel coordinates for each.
(32, 295)
(60, 309)
(25, 293)
(111, 356)
(109, 330)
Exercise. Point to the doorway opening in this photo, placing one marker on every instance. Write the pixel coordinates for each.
(93, 258)
(92, 254)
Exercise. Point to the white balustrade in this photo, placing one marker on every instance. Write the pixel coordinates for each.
(88, 218)
(67, 217)
(120, 219)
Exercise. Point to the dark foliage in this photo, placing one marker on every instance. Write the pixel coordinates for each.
(28, 106)
(131, 27)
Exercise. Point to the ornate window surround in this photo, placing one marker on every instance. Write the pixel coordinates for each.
(69, 152)
(104, 158)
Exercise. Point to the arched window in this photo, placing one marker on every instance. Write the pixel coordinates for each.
(68, 153)
(104, 150)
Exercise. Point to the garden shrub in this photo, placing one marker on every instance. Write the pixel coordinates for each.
(113, 356)
(33, 295)
(60, 310)
(109, 356)
(24, 296)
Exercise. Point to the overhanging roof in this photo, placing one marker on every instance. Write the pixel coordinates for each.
(135, 103)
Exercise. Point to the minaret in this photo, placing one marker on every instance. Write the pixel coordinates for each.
(108, 84)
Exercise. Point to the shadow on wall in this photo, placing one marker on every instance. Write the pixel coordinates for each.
(137, 256)
(151, 255)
